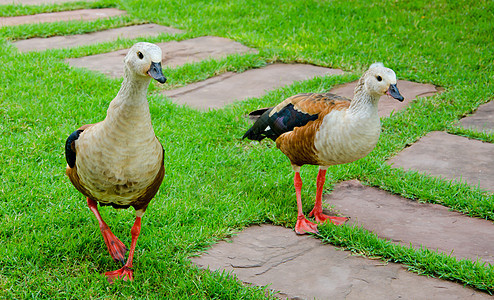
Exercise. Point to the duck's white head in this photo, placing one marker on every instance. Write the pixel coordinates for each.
(379, 80)
(144, 59)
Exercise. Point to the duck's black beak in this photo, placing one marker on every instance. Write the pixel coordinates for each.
(393, 92)
(156, 72)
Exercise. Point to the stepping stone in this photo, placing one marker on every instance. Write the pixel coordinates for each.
(67, 41)
(301, 267)
(452, 157)
(174, 53)
(405, 221)
(73, 15)
(409, 90)
(220, 90)
(482, 119)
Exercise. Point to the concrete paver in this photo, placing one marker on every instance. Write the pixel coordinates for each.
(482, 119)
(174, 54)
(67, 41)
(304, 268)
(226, 88)
(408, 222)
(452, 157)
(73, 15)
(410, 90)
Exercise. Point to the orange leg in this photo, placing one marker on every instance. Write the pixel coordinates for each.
(303, 225)
(317, 210)
(126, 272)
(115, 247)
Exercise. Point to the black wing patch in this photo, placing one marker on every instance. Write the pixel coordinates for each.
(288, 118)
(280, 122)
(258, 131)
(70, 154)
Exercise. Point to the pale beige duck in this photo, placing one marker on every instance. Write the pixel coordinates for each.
(119, 161)
(326, 129)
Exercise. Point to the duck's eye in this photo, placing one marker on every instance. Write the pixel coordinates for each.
(379, 78)
(140, 55)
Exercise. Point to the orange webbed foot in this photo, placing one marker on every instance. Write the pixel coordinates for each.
(304, 226)
(125, 273)
(321, 218)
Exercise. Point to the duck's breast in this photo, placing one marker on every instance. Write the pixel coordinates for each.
(344, 137)
(115, 167)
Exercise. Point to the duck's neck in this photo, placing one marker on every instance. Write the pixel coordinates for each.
(133, 90)
(363, 103)
(130, 107)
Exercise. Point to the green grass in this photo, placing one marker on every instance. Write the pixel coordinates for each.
(216, 183)
(13, 10)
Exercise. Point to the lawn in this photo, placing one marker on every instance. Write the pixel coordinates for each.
(215, 183)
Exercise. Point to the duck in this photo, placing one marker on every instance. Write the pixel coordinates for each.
(324, 129)
(119, 161)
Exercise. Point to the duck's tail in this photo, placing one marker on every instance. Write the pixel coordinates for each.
(260, 130)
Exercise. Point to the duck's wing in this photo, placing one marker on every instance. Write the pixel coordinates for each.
(297, 143)
(295, 111)
(318, 103)
(70, 152)
(70, 156)
(260, 129)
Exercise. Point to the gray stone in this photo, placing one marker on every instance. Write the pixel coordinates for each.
(452, 157)
(67, 41)
(303, 267)
(408, 222)
(482, 119)
(410, 91)
(174, 54)
(73, 15)
(226, 88)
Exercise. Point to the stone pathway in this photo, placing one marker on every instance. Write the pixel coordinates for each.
(407, 222)
(301, 266)
(482, 119)
(174, 53)
(452, 157)
(73, 15)
(68, 41)
(218, 91)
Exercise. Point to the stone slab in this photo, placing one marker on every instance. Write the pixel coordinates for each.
(410, 91)
(301, 267)
(174, 54)
(67, 41)
(34, 2)
(220, 90)
(408, 222)
(451, 157)
(482, 119)
(73, 15)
